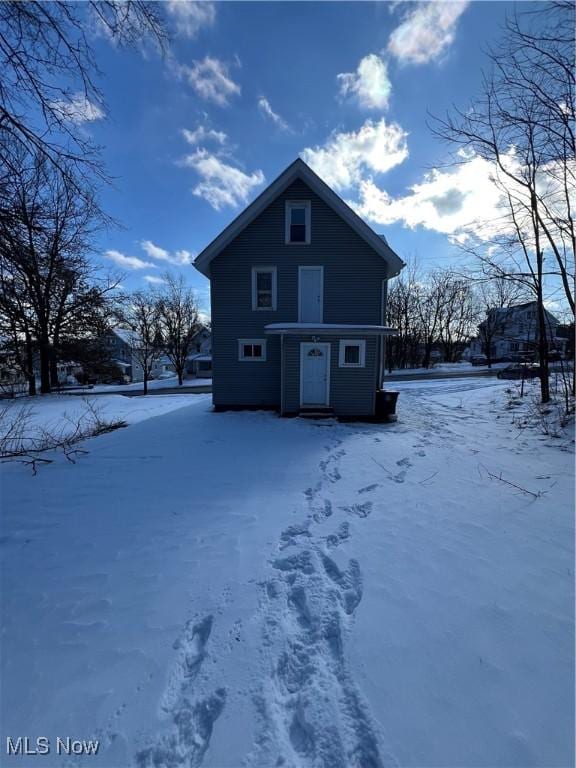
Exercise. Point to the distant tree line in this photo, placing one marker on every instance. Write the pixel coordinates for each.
(443, 310)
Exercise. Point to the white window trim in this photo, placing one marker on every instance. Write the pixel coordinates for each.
(300, 270)
(308, 219)
(273, 272)
(361, 344)
(304, 345)
(241, 357)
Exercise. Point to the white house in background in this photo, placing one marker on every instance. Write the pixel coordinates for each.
(513, 331)
(122, 344)
(199, 361)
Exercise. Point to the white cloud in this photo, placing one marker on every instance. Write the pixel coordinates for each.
(204, 134)
(266, 109)
(426, 32)
(178, 258)
(457, 202)
(221, 183)
(345, 158)
(154, 280)
(210, 79)
(189, 16)
(78, 109)
(369, 85)
(128, 262)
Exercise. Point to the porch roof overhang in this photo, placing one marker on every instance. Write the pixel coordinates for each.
(328, 329)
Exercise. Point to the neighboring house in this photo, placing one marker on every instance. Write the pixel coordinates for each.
(68, 371)
(202, 341)
(565, 339)
(513, 331)
(199, 365)
(121, 344)
(199, 361)
(298, 299)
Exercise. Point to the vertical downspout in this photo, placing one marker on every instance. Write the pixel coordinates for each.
(281, 374)
(382, 345)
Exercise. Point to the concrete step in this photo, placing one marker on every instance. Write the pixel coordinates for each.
(317, 413)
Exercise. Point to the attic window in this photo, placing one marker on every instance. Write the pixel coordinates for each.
(298, 222)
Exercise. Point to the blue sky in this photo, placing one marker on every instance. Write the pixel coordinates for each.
(248, 87)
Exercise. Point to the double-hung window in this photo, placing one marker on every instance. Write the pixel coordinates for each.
(264, 288)
(297, 222)
(352, 354)
(252, 349)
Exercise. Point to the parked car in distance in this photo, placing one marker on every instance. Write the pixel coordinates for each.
(522, 357)
(122, 379)
(520, 371)
(479, 360)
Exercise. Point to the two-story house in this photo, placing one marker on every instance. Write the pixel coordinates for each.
(298, 288)
(512, 332)
(199, 361)
(122, 345)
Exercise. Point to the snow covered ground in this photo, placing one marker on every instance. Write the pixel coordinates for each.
(137, 386)
(62, 414)
(448, 368)
(236, 589)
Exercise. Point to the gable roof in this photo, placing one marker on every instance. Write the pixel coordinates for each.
(515, 309)
(127, 336)
(299, 170)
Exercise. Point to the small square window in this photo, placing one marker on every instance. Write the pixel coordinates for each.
(252, 349)
(352, 353)
(298, 222)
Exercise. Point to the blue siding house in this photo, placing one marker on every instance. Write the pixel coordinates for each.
(298, 287)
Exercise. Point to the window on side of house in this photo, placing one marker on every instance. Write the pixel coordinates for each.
(352, 353)
(264, 288)
(298, 222)
(252, 349)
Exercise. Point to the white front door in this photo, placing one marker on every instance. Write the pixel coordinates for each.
(311, 288)
(314, 373)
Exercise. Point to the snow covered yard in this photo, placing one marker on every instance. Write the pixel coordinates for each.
(55, 412)
(237, 589)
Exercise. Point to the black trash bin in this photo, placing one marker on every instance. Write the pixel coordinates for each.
(386, 403)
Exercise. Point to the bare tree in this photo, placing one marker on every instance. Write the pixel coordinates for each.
(141, 317)
(17, 326)
(178, 317)
(429, 304)
(456, 316)
(49, 73)
(526, 138)
(404, 349)
(49, 288)
(536, 64)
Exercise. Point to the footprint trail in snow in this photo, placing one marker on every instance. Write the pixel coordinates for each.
(310, 710)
